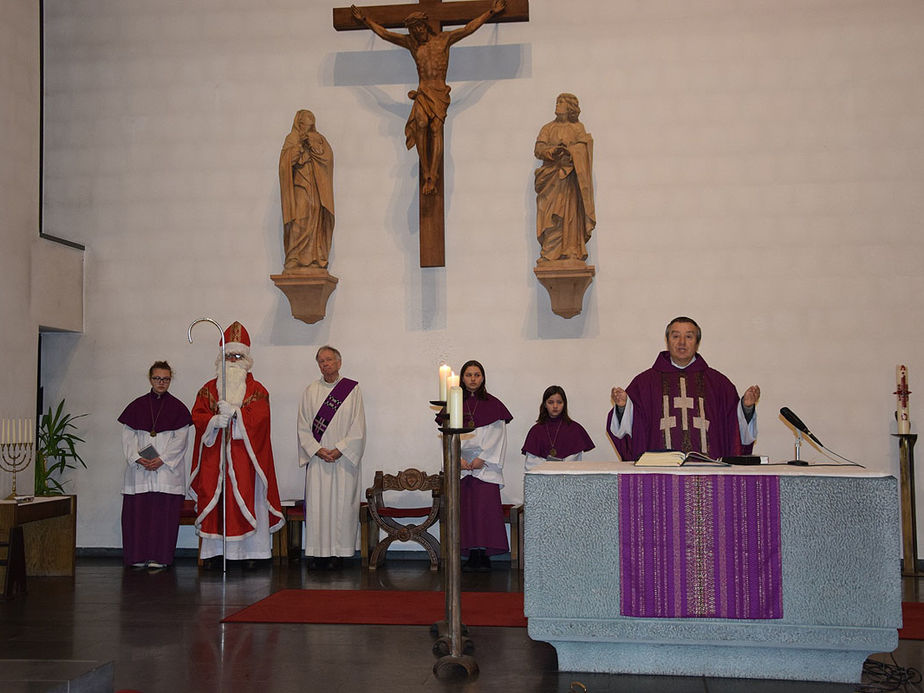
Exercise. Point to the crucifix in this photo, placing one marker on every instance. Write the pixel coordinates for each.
(429, 45)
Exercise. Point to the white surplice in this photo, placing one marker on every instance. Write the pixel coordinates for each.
(171, 448)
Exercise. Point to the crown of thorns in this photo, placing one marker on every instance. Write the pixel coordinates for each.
(416, 18)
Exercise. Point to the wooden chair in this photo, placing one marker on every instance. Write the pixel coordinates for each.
(385, 516)
(513, 516)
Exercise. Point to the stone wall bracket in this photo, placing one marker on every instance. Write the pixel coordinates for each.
(566, 281)
(307, 290)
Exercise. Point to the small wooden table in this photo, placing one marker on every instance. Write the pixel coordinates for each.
(49, 529)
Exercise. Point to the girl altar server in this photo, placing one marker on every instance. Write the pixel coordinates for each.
(555, 436)
(482, 530)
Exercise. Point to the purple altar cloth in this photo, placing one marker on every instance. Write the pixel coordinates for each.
(700, 546)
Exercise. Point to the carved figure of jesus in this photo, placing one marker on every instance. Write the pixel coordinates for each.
(430, 50)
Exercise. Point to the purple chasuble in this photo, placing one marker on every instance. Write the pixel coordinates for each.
(556, 438)
(331, 404)
(482, 411)
(692, 408)
(158, 414)
(700, 546)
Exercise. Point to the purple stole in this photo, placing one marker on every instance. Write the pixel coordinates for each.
(327, 411)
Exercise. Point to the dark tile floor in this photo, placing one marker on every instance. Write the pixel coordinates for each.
(162, 634)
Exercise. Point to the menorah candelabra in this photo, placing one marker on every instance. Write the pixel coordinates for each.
(16, 447)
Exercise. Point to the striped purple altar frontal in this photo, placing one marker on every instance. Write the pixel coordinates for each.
(700, 546)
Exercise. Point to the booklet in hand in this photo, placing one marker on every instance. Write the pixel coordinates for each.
(149, 452)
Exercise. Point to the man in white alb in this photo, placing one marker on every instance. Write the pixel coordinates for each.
(331, 440)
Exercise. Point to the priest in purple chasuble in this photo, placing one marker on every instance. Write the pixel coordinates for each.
(555, 436)
(482, 531)
(153, 483)
(331, 440)
(680, 403)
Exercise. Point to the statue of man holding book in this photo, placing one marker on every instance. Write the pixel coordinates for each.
(681, 403)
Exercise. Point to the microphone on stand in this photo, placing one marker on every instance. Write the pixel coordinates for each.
(791, 417)
(802, 429)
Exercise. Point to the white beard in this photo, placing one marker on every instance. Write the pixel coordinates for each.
(236, 387)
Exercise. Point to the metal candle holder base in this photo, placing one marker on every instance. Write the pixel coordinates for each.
(906, 443)
(455, 649)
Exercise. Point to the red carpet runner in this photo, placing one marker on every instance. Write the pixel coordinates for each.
(912, 621)
(381, 607)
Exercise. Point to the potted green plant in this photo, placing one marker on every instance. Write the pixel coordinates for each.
(57, 450)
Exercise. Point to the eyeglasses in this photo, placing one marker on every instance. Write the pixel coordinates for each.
(233, 357)
(158, 379)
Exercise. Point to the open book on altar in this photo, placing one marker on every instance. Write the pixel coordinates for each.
(675, 458)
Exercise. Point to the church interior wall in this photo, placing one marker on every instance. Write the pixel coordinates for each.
(757, 165)
(19, 208)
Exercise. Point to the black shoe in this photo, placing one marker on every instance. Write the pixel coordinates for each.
(251, 564)
(335, 563)
(484, 566)
(473, 562)
(213, 563)
(314, 563)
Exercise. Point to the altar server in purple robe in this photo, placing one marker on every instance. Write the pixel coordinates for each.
(680, 403)
(555, 436)
(482, 530)
(155, 432)
(331, 441)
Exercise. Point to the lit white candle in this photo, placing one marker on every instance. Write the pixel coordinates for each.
(455, 407)
(444, 386)
(452, 380)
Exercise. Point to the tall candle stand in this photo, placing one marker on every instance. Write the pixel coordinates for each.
(14, 458)
(909, 516)
(452, 645)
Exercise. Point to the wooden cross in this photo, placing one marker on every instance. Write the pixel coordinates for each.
(439, 14)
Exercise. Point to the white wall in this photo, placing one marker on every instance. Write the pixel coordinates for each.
(758, 165)
(19, 208)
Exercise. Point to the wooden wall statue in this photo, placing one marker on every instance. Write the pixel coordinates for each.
(306, 186)
(429, 45)
(565, 216)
